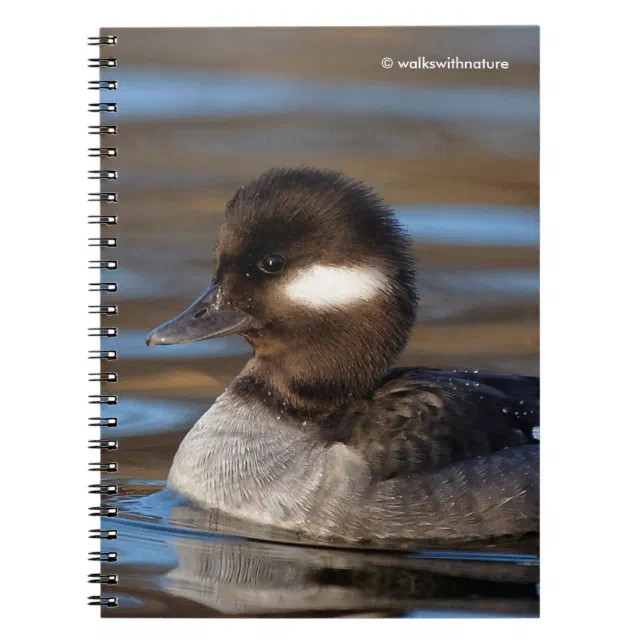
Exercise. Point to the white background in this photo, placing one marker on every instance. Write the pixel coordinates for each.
(592, 320)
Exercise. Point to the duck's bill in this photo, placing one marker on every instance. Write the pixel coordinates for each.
(206, 318)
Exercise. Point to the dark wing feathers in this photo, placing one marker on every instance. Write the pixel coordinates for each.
(423, 419)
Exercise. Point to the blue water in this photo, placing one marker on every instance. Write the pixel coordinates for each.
(139, 415)
(471, 225)
(131, 344)
(517, 282)
(149, 94)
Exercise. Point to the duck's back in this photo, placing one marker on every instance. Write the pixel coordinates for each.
(421, 419)
(452, 454)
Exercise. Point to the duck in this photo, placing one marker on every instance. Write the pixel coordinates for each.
(320, 433)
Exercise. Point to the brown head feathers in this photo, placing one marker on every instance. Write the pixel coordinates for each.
(325, 271)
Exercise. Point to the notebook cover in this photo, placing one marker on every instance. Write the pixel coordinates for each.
(190, 115)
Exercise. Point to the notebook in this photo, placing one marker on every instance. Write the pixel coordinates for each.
(283, 216)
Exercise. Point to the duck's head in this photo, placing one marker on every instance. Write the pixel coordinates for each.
(314, 271)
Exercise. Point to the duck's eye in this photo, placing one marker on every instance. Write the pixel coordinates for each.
(272, 264)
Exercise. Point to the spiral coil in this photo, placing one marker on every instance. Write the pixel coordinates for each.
(106, 198)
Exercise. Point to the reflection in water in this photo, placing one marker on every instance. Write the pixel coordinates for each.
(183, 553)
(245, 577)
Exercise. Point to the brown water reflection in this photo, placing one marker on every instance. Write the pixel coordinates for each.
(455, 153)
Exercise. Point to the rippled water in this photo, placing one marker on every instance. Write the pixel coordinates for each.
(178, 560)
(456, 158)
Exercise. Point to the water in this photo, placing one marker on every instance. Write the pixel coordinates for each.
(174, 559)
(146, 94)
(457, 158)
(502, 226)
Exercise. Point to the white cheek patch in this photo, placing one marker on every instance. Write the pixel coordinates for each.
(326, 286)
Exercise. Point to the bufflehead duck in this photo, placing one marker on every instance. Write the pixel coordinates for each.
(318, 433)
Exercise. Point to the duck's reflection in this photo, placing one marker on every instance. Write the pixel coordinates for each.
(243, 577)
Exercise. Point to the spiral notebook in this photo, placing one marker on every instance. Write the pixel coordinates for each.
(388, 167)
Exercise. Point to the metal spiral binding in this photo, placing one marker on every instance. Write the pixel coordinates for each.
(103, 220)
(103, 332)
(111, 287)
(99, 354)
(103, 309)
(103, 107)
(104, 376)
(107, 445)
(103, 534)
(100, 399)
(103, 197)
(110, 130)
(102, 62)
(102, 40)
(103, 152)
(103, 579)
(99, 421)
(106, 175)
(103, 556)
(104, 242)
(104, 467)
(103, 511)
(105, 488)
(97, 600)
(103, 84)
(104, 264)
